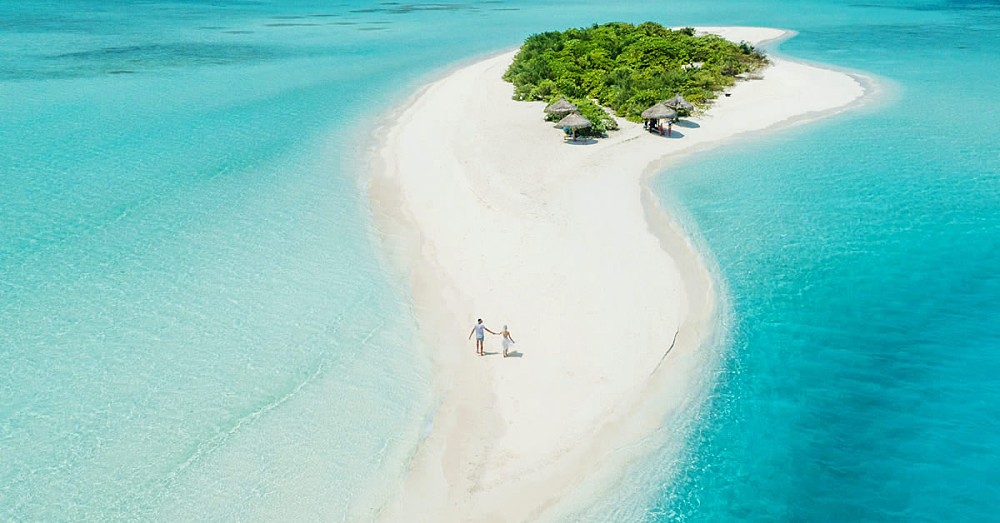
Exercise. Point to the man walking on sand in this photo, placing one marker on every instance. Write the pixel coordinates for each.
(478, 329)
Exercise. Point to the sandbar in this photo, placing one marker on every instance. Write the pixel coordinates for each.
(489, 214)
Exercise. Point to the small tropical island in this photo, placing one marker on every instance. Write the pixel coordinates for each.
(612, 304)
(627, 68)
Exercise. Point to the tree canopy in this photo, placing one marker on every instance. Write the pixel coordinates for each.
(627, 67)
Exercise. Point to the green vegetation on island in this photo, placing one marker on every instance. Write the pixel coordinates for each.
(627, 68)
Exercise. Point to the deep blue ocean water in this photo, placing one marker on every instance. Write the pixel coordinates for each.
(196, 323)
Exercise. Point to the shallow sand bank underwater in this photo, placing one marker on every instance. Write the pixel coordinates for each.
(491, 215)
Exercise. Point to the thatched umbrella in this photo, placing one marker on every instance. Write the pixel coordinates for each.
(573, 121)
(678, 103)
(561, 107)
(659, 111)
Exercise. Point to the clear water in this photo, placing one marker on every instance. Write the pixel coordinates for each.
(196, 323)
(860, 256)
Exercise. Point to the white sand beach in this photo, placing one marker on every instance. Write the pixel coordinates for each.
(490, 214)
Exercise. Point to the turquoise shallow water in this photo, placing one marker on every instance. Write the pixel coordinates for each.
(195, 322)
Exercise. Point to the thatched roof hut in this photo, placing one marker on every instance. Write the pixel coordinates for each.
(562, 106)
(659, 111)
(678, 103)
(574, 121)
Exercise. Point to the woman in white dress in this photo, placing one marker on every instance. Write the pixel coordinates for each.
(507, 340)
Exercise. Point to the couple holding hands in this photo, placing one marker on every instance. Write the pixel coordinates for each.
(480, 331)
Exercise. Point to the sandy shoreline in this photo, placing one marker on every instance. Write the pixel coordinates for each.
(490, 215)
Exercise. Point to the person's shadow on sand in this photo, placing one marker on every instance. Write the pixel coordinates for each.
(514, 354)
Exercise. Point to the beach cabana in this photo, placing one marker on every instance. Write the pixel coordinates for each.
(654, 114)
(678, 103)
(562, 106)
(659, 111)
(572, 122)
